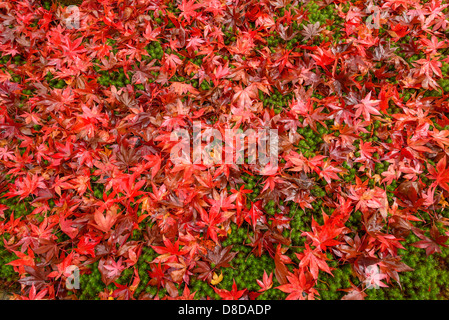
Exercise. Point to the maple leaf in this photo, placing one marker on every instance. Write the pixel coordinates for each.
(271, 182)
(220, 257)
(286, 33)
(390, 175)
(409, 190)
(429, 67)
(323, 57)
(244, 44)
(115, 268)
(150, 33)
(194, 43)
(324, 236)
(366, 150)
(215, 216)
(171, 61)
(284, 60)
(48, 247)
(170, 249)
(188, 9)
(105, 223)
(441, 138)
(34, 295)
(204, 270)
(255, 214)
(311, 30)
(220, 72)
(433, 243)
(180, 88)
(215, 6)
(143, 73)
(328, 172)
(81, 183)
(244, 96)
(27, 186)
(157, 274)
(295, 287)
(154, 162)
(314, 260)
(131, 188)
(281, 270)
(24, 260)
(369, 198)
(353, 293)
(67, 227)
(389, 243)
(431, 46)
(171, 123)
(36, 275)
(64, 268)
(239, 196)
(391, 265)
(123, 292)
(367, 107)
(216, 279)
(72, 49)
(440, 175)
(234, 294)
(87, 244)
(266, 283)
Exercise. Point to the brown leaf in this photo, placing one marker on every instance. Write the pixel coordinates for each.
(220, 257)
(409, 190)
(281, 271)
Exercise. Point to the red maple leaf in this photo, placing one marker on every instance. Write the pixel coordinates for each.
(234, 294)
(314, 260)
(298, 286)
(433, 243)
(169, 249)
(266, 283)
(441, 174)
(188, 9)
(87, 244)
(105, 223)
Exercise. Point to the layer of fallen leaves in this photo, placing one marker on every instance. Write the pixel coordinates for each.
(59, 143)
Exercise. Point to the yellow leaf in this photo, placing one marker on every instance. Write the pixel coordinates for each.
(107, 151)
(377, 178)
(344, 172)
(216, 279)
(443, 201)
